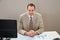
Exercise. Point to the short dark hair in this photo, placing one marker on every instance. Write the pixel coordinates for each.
(31, 4)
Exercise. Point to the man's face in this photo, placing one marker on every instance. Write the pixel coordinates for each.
(31, 9)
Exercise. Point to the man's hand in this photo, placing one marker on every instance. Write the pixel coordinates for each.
(28, 33)
(31, 33)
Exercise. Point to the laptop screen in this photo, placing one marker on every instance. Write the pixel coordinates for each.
(8, 28)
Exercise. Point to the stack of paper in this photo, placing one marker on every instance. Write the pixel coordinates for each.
(44, 36)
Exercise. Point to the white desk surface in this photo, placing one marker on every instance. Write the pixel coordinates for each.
(49, 35)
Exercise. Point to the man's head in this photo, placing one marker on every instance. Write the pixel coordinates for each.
(31, 8)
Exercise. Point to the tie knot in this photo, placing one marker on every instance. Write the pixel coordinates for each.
(31, 17)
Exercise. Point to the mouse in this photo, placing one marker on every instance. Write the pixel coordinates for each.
(56, 39)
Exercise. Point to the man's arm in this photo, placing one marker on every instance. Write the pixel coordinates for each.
(21, 30)
(41, 26)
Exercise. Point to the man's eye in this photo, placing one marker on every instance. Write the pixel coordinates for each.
(29, 10)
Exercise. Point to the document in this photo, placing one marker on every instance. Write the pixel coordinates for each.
(44, 36)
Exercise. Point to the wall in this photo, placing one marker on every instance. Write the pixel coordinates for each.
(50, 10)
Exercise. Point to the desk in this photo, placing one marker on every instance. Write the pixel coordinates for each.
(49, 35)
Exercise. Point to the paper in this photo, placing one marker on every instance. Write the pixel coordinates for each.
(44, 36)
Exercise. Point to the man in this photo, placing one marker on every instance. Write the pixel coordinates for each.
(31, 23)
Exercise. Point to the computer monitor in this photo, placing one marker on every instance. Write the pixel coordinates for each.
(8, 28)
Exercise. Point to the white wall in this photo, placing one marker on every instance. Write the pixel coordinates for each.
(50, 10)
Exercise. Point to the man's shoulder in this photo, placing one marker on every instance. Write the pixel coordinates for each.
(21, 15)
(38, 14)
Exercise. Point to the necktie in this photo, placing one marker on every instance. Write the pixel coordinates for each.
(31, 23)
